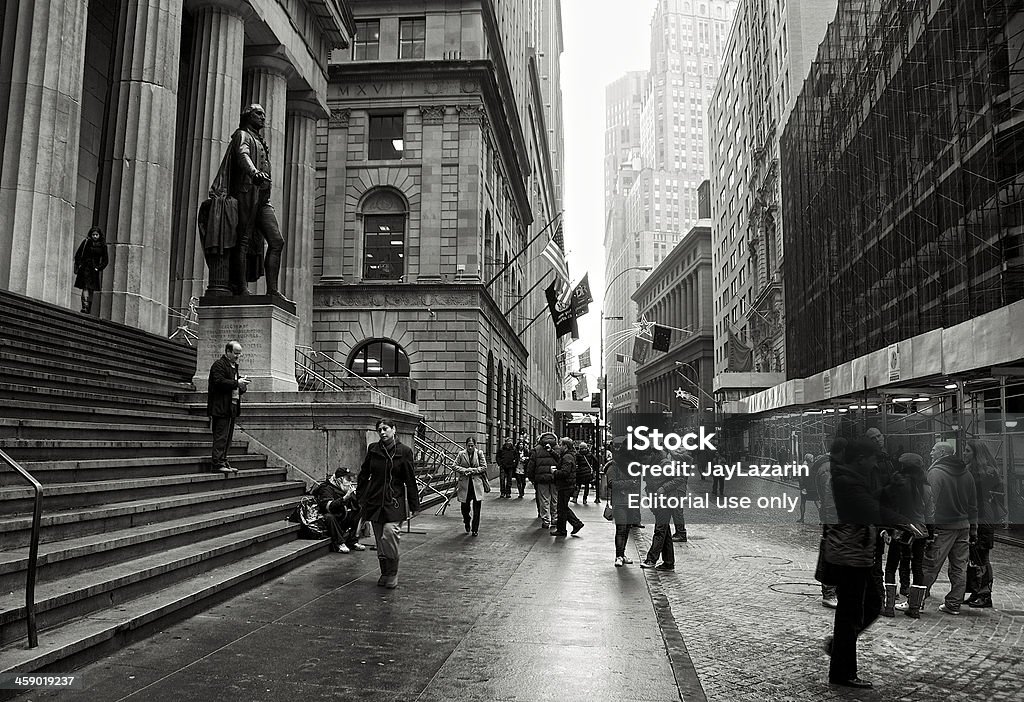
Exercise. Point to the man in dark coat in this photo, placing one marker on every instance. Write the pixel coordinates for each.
(565, 486)
(850, 547)
(507, 459)
(387, 483)
(224, 403)
(336, 498)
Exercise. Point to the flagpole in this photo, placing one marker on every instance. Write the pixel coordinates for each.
(525, 294)
(525, 249)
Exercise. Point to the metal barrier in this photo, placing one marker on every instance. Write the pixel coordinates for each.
(33, 549)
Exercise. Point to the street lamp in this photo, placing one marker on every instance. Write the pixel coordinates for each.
(604, 377)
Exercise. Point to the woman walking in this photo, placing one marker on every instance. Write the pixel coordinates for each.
(90, 260)
(387, 496)
(472, 469)
(619, 485)
(989, 487)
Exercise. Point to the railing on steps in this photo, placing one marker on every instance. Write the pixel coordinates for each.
(320, 372)
(33, 549)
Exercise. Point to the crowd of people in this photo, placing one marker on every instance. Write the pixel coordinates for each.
(889, 525)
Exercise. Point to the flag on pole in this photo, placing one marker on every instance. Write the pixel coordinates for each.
(585, 359)
(741, 356)
(581, 387)
(554, 252)
(578, 297)
(620, 358)
(662, 338)
(564, 320)
(641, 347)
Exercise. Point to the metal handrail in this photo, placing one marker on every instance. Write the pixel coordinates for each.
(33, 549)
(346, 374)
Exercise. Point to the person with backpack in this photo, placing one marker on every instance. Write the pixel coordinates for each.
(584, 473)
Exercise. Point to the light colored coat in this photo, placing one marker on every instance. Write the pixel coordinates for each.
(467, 472)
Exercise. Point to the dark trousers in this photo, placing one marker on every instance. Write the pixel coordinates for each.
(621, 536)
(718, 485)
(505, 476)
(565, 513)
(474, 506)
(907, 559)
(661, 541)
(983, 550)
(860, 601)
(223, 429)
(342, 527)
(264, 224)
(521, 483)
(679, 519)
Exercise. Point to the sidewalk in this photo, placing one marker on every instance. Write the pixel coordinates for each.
(516, 614)
(513, 614)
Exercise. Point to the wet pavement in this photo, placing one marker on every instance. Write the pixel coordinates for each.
(516, 614)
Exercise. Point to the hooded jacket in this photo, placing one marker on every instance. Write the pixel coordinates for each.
(540, 466)
(955, 498)
(507, 456)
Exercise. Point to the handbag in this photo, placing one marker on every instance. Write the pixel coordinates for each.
(487, 483)
(483, 476)
(975, 570)
(609, 513)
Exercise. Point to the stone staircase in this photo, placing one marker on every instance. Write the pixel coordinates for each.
(136, 529)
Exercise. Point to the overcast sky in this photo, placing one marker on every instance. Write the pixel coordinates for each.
(604, 39)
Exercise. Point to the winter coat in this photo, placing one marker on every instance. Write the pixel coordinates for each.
(668, 485)
(988, 486)
(223, 380)
(620, 485)
(541, 464)
(900, 496)
(470, 468)
(821, 474)
(507, 457)
(565, 472)
(955, 496)
(584, 467)
(852, 541)
(334, 500)
(387, 482)
(90, 260)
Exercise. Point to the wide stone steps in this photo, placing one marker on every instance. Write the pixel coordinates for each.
(15, 531)
(117, 584)
(16, 360)
(75, 555)
(105, 630)
(20, 499)
(70, 471)
(53, 449)
(16, 393)
(11, 428)
(125, 391)
(27, 409)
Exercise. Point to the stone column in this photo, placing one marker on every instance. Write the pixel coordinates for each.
(265, 80)
(333, 243)
(432, 118)
(472, 123)
(134, 206)
(42, 54)
(211, 116)
(297, 212)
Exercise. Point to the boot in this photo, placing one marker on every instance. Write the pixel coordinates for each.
(890, 600)
(914, 601)
(384, 569)
(391, 577)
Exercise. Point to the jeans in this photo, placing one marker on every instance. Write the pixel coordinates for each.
(505, 481)
(661, 542)
(953, 544)
(984, 549)
(907, 559)
(521, 483)
(546, 501)
(860, 601)
(621, 536)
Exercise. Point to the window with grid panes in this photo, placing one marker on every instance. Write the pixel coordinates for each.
(383, 247)
(386, 137)
(412, 34)
(366, 46)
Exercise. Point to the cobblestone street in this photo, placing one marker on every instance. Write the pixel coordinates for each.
(747, 606)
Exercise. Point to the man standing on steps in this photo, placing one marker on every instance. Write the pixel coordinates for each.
(224, 403)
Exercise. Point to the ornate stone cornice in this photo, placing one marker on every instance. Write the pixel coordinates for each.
(432, 114)
(339, 117)
(472, 114)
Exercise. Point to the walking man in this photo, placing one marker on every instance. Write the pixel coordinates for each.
(224, 403)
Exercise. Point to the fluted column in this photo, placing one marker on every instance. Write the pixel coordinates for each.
(265, 81)
(42, 55)
(211, 116)
(297, 212)
(334, 202)
(134, 206)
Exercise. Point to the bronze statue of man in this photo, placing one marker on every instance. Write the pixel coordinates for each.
(244, 176)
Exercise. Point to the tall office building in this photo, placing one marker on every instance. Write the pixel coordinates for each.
(767, 56)
(655, 162)
(441, 162)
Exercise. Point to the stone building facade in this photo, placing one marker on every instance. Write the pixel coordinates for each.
(118, 113)
(438, 187)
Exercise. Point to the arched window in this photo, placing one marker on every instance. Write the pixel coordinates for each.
(384, 217)
(379, 358)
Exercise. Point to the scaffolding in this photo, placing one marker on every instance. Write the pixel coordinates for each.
(903, 176)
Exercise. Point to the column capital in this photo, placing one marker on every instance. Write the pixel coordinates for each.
(432, 114)
(269, 57)
(239, 8)
(306, 104)
(339, 117)
(471, 114)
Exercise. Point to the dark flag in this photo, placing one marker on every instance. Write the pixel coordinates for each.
(662, 338)
(595, 399)
(581, 297)
(640, 349)
(565, 322)
(741, 356)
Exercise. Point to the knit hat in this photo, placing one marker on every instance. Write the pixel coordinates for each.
(912, 459)
(548, 436)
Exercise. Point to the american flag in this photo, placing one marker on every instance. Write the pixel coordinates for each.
(554, 252)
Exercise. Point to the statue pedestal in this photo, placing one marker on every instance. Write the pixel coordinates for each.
(263, 325)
